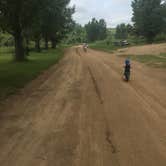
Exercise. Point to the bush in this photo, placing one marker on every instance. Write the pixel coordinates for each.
(160, 37)
(6, 40)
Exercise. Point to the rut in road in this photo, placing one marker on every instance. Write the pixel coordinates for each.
(95, 85)
(81, 113)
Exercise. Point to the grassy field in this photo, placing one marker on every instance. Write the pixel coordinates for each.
(14, 75)
(158, 61)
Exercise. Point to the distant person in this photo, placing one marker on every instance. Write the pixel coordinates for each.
(127, 70)
(85, 47)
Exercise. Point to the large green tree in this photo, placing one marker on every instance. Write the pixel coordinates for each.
(163, 14)
(15, 16)
(76, 35)
(121, 31)
(147, 18)
(102, 26)
(34, 19)
(62, 26)
(96, 30)
(55, 20)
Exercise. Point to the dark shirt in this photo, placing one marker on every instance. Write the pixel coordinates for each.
(127, 68)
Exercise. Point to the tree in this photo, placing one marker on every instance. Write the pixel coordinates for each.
(55, 20)
(92, 30)
(130, 29)
(34, 30)
(14, 18)
(76, 35)
(147, 18)
(163, 14)
(62, 26)
(96, 30)
(102, 29)
(34, 19)
(121, 31)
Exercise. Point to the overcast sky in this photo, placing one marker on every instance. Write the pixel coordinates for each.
(113, 11)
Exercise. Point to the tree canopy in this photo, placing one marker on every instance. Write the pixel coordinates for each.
(96, 30)
(49, 19)
(123, 31)
(77, 35)
(148, 17)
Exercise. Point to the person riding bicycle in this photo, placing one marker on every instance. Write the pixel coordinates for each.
(127, 69)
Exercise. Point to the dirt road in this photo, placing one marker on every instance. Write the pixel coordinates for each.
(81, 113)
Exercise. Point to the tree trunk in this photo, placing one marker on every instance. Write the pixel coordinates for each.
(37, 45)
(46, 43)
(19, 49)
(53, 42)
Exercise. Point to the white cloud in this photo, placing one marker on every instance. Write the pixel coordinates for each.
(113, 11)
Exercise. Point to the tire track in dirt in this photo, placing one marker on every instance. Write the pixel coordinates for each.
(96, 86)
(98, 92)
(108, 136)
(93, 79)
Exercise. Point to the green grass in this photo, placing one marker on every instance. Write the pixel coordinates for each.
(14, 75)
(158, 61)
(103, 46)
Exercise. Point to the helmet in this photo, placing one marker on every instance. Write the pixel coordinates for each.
(127, 61)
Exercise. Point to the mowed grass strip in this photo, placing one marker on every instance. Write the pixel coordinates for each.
(14, 75)
(158, 61)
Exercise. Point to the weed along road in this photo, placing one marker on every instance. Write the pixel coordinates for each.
(81, 113)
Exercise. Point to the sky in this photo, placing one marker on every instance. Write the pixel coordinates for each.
(113, 11)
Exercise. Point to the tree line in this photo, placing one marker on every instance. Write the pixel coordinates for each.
(124, 30)
(92, 31)
(35, 20)
(51, 20)
(149, 20)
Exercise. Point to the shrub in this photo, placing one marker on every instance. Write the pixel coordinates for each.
(160, 37)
